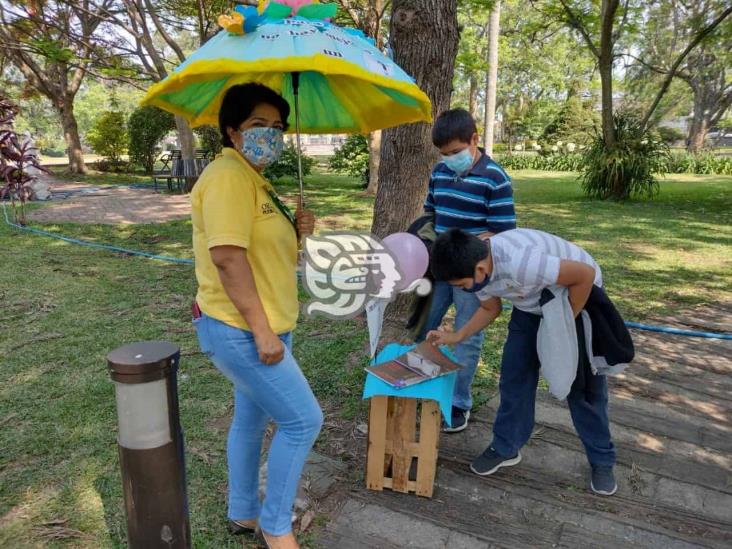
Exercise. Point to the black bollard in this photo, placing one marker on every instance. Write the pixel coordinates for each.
(150, 443)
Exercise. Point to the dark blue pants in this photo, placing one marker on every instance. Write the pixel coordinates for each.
(519, 378)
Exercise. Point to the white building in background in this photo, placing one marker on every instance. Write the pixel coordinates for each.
(318, 145)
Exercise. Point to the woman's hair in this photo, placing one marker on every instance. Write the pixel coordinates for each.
(239, 103)
(455, 255)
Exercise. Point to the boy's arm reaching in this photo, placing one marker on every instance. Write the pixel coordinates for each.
(578, 277)
(484, 316)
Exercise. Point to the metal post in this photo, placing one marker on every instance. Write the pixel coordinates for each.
(296, 93)
(150, 443)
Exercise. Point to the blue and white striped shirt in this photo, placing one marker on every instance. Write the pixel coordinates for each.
(479, 201)
(526, 261)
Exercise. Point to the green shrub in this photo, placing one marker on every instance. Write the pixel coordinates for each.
(106, 165)
(53, 153)
(670, 135)
(703, 163)
(628, 168)
(555, 162)
(287, 165)
(352, 158)
(147, 127)
(209, 138)
(51, 145)
(108, 136)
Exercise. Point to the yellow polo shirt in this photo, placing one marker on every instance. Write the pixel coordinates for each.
(231, 205)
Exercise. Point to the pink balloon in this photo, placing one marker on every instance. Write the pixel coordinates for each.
(410, 254)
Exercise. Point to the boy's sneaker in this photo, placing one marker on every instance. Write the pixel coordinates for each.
(489, 462)
(459, 421)
(603, 480)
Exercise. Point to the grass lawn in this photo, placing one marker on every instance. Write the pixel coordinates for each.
(65, 307)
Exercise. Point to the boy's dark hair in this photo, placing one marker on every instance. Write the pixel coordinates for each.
(453, 124)
(455, 254)
(240, 101)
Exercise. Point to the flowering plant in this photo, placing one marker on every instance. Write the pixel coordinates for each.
(15, 159)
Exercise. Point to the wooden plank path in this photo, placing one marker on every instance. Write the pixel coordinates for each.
(671, 415)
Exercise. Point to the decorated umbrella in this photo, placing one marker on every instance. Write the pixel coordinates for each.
(334, 78)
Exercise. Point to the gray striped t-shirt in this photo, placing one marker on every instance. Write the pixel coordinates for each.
(525, 262)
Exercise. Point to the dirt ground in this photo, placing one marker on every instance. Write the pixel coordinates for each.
(111, 205)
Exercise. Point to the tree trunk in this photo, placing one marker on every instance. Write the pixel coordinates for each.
(187, 144)
(707, 89)
(697, 135)
(699, 123)
(374, 161)
(605, 68)
(71, 135)
(424, 36)
(473, 96)
(373, 30)
(186, 140)
(492, 76)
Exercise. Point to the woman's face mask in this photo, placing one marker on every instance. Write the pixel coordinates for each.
(262, 146)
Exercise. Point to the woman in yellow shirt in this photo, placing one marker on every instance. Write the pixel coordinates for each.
(245, 244)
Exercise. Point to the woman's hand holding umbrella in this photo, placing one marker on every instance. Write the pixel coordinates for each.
(305, 221)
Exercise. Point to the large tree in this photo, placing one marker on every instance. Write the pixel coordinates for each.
(54, 45)
(491, 81)
(705, 71)
(603, 31)
(541, 64)
(603, 28)
(156, 36)
(424, 37)
(471, 61)
(368, 16)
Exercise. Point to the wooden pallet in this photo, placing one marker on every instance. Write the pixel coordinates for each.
(402, 453)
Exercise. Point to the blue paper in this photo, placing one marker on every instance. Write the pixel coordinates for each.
(440, 388)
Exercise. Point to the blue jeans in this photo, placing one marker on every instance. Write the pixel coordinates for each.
(587, 399)
(261, 392)
(467, 352)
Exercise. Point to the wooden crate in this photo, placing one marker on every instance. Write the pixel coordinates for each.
(397, 443)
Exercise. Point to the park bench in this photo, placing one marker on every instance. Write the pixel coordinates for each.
(168, 159)
(187, 170)
(181, 171)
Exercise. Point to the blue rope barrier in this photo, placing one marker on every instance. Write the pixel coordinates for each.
(182, 261)
(677, 331)
(96, 245)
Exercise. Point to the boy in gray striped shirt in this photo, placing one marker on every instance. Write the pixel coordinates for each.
(517, 265)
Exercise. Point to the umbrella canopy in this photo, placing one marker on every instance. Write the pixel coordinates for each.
(346, 85)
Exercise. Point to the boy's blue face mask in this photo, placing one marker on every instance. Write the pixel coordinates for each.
(459, 162)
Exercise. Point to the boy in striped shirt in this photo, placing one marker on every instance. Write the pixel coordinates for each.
(469, 191)
(517, 266)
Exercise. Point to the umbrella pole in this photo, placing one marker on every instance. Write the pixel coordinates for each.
(296, 93)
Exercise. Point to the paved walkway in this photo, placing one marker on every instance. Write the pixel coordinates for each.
(671, 416)
(111, 205)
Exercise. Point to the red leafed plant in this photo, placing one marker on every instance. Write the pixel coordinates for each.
(15, 159)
